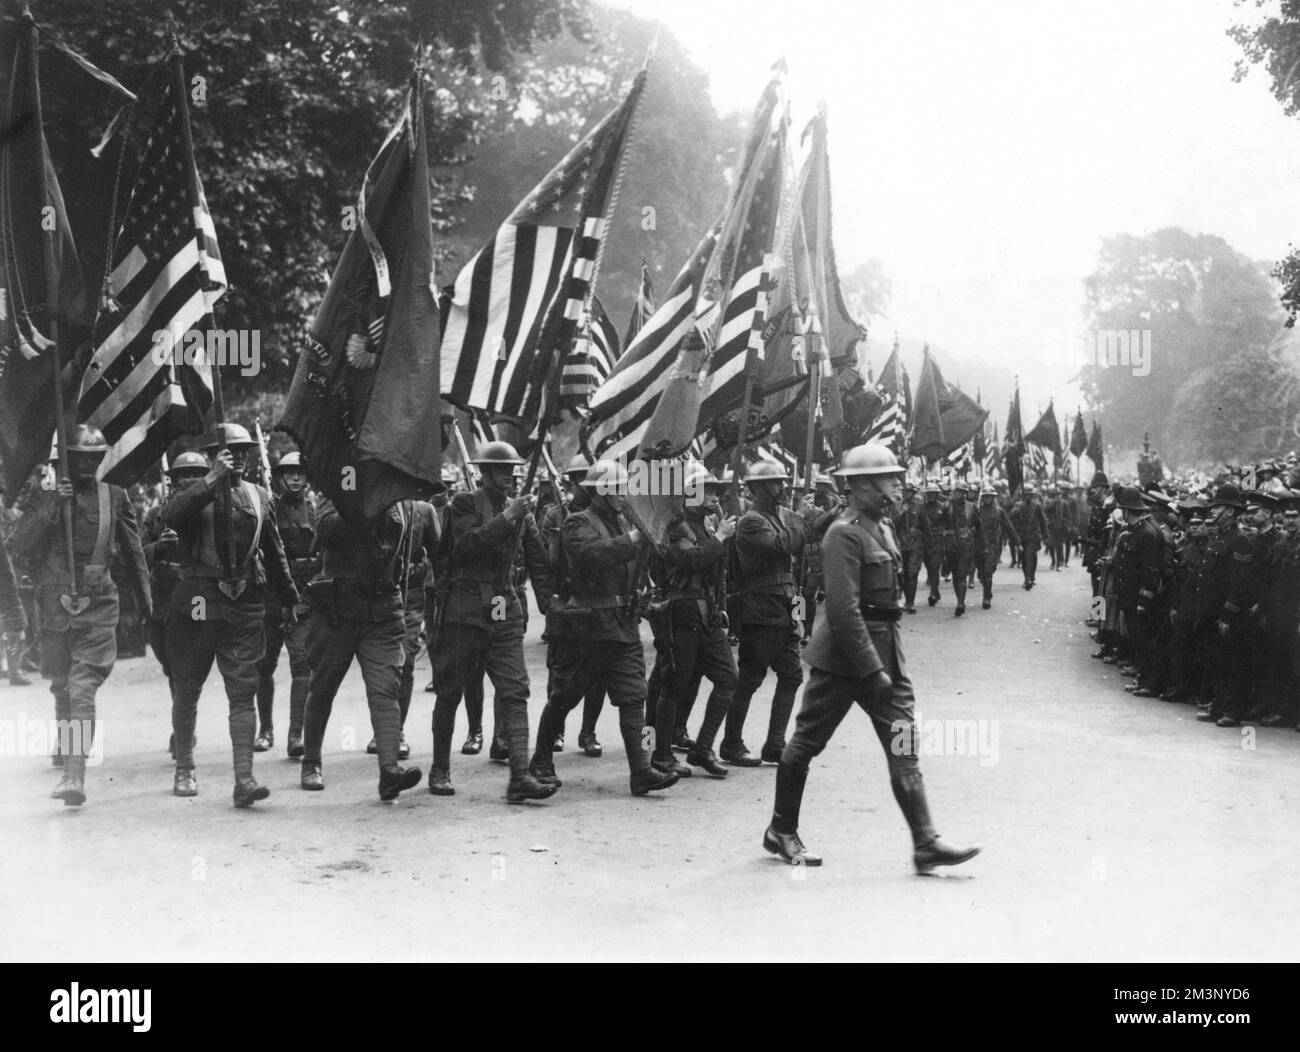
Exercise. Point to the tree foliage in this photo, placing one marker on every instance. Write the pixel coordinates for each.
(1204, 305)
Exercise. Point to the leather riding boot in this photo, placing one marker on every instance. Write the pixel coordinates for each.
(779, 718)
(930, 851)
(714, 713)
(789, 798)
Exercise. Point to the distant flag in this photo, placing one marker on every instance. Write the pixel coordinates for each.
(993, 454)
(891, 424)
(1037, 458)
(644, 307)
(1095, 448)
(945, 416)
(165, 278)
(1013, 445)
(1079, 437)
(1046, 432)
(496, 348)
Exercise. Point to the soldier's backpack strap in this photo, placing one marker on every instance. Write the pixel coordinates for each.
(254, 496)
(104, 530)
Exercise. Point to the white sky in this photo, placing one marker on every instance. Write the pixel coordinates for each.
(982, 149)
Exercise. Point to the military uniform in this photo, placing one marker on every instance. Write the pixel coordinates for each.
(79, 646)
(295, 518)
(992, 524)
(1137, 567)
(356, 612)
(594, 636)
(767, 543)
(1031, 526)
(957, 525)
(482, 624)
(932, 541)
(858, 639)
(913, 529)
(695, 643)
(205, 624)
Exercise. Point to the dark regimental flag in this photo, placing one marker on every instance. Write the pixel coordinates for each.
(1047, 432)
(364, 404)
(733, 304)
(945, 416)
(592, 358)
(514, 306)
(1079, 436)
(623, 406)
(150, 379)
(1013, 445)
(40, 279)
(1095, 449)
(644, 307)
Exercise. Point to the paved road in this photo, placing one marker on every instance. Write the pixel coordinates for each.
(1112, 828)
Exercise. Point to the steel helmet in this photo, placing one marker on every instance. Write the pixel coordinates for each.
(823, 479)
(1029, 487)
(988, 491)
(188, 463)
(869, 459)
(237, 437)
(86, 439)
(290, 460)
(502, 453)
(765, 471)
(607, 476)
(698, 475)
(578, 465)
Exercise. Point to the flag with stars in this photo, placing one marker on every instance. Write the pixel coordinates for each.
(748, 265)
(145, 386)
(513, 308)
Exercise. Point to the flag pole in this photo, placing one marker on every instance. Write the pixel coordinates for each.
(71, 601)
(738, 454)
(218, 401)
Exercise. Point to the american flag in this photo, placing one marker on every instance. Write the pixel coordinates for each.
(1037, 457)
(592, 359)
(644, 307)
(733, 302)
(782, 457)
(962, 459)
(482, 430)
(623, 406)
(494, 352)
(891, 423)
(166, 276)
(889, 428)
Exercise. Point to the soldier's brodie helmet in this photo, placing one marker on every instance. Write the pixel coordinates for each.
(86, 448)
(577, 467)
(237, 437)
(765, 471)
(290, 461)
(869, 459)
(498, 453)
(606, 477)
(186, 466)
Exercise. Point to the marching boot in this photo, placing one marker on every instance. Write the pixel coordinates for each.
(311, 778)
(930, 851)
(440, 782)
(393, 779)
(184, 783)
(72, 786)
(247, 791)
(708, 760)
(644, 777)
(781, 837)
(473, 742)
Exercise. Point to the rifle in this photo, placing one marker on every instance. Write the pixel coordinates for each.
(261, 450)
(556, 481)
(471, 476)
(164, 486)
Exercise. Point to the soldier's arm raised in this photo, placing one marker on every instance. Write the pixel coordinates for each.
(690, 555)
(584, 546)
(476, 540)
(186, 504)
(755, 533)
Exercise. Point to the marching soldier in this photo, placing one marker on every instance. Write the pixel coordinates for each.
(692, 564)
(77, 606)
(218, 607)
(992, 525)
(1031, 526)
(550, 524)
(932, 537)
(162, 555)
(356, 611)
(856, 656)
(295, 518)
(912, 527)
(594, 637)
(957, 524)
(769, 537)
(482, 619)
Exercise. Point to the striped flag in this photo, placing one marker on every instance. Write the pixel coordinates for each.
(592, 359)
(1037, 457)
(776, 454)
(644, 307)
(144, 387)
(481, 428)
(514, 303)
(891, 424)
(623, 406)
(732, 310)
